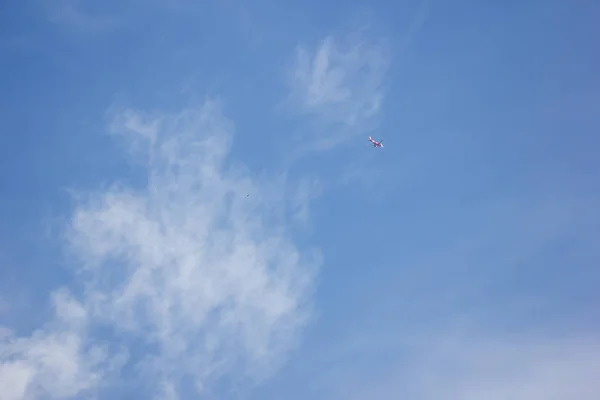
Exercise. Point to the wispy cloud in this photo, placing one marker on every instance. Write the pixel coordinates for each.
(459, 325)
(55, 361)
(469, 367)
(184, 267)
(342, 84)
(74, 13)
(535, 368)
(307, 190)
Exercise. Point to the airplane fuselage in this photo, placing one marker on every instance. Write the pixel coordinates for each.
(375, 143)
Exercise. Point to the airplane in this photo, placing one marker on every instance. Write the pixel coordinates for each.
(375, 142)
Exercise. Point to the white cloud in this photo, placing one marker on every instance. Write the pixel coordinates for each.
(185, 267)
(342, 84)
(54, 362)
(480, 366)
(525, 368)
(307, 190)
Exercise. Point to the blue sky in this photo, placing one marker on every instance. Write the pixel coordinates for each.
(192, 209)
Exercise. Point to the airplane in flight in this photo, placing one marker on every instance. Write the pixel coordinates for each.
(375, 142)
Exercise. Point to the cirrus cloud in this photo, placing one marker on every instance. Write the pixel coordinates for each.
(472, 366)
(195, 279)
(341, 83)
